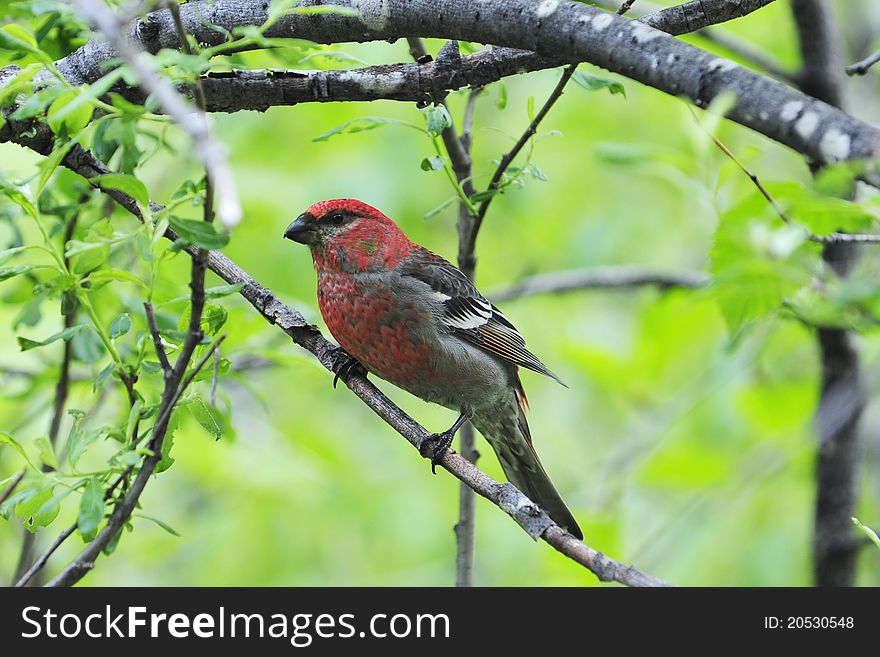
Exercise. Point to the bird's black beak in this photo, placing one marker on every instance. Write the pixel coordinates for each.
(302, 230)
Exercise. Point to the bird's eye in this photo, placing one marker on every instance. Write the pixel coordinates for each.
(337, 218)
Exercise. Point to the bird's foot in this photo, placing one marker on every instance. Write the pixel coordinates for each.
(436, 444)
(344, 365)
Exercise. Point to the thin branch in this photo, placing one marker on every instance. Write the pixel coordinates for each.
(176, 381)
(12, 486)
(862, 67)
(843, 394)
(833, 238)
(528, 515)
(62, 388)
(85, 561)
(157, 338)
(508, 158)
(458, 148)
(695, 15)
(211, 152)
(44, 558)
(609, 277)
(625, 7)
(41, 562)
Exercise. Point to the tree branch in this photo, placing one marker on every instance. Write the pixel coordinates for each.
(862, 67)
(571, 32)
(695, 15)
(843, 396)
(509, 156)
(458, 148)
(528, 515)
(608, 277)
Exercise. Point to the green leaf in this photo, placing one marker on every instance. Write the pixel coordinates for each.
(432, 163)
(530, 108)
(78, 441)
(103, 276)
(219, 291)
(445, 204)
(94, 251)
(47, 453)
(87, 346)
(6, 439)
(757, 262)
(161, 524)
(206, 416)
(361, 124)
(103, 376)
(37, 103)
(868, 531)
(91, 509)
(67, 117)
(25, 344)
(18, 197)
(199, 233)
(16, 38)
(127, 184)
(821, 215)
(501, 100)
(437, 118)
(120, 326)
(9, 272)
(594, 82)
(39, 510)
(47, 166)
(134, 416)
(167, 460)
(213, 318)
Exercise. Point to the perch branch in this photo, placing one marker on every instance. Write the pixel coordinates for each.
(524, 512)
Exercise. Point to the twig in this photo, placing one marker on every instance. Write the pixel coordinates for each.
(513, 152)
(833, 238)
(210, 151)
(62, 388)
(861, 67)
(157, 338)
(12, 486)
(625, 7)
(215, 375)
(609, 277)
(84, 562)
(44, 558)
(458, 148)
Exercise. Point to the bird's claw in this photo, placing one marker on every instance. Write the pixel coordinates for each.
(434, 446)
(344, 365)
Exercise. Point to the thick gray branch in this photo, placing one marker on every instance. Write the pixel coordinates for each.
(693, 16)
(559, 31)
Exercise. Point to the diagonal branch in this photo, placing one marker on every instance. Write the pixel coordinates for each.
(526, 513)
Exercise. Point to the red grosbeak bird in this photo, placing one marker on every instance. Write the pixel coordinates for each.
(413, 319)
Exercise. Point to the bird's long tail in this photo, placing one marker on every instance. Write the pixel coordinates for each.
(507, 431)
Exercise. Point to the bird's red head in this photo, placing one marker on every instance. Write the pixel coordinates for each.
(348, 234)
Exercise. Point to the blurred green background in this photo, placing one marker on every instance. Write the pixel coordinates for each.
(681, 453)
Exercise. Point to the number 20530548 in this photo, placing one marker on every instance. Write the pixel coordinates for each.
(809, 622)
